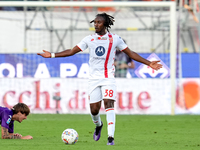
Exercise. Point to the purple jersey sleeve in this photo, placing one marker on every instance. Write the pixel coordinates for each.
(6, 121)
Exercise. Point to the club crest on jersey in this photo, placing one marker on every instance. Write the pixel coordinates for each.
(100, 50)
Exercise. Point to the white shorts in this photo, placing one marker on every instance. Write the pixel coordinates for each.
(102, 89)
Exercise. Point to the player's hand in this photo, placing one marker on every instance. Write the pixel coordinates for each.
(17, 134)
(155, 65)
(46, 54)
(27, 137)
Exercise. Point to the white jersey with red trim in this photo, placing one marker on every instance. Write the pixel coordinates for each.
(102, 51)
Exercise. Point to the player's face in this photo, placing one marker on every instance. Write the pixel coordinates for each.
(99, 25)
(21, 117)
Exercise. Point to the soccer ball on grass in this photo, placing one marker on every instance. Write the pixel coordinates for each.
(69, 136)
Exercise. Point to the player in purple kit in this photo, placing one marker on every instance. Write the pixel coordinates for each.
(102, 86)
(19, 112)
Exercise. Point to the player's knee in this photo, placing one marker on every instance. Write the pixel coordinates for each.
(108, 104)
(94, 108)
(94, 111)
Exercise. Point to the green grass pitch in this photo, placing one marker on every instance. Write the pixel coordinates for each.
(133, 132)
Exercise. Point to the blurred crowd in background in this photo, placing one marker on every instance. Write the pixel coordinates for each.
(21, 8)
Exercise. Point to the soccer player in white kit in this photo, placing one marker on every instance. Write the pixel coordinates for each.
(102, 48)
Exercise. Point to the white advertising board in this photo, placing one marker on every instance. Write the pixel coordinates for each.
(134, 96)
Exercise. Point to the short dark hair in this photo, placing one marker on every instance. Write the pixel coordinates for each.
(109, 20)
(21, 107)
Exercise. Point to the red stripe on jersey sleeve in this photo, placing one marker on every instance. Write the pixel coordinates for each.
(124, 49)
(79, 47)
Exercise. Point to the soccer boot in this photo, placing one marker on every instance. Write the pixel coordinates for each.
(110, 141)
(97, 132)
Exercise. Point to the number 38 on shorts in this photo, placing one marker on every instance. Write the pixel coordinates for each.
(109, 92)
(103, 92)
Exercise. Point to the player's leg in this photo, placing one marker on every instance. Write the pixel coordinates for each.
(109, 97)
(110, 117)
(95, 98)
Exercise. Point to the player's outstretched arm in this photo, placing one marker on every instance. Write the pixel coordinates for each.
(6, 135)
(154, 64)
(65, 53)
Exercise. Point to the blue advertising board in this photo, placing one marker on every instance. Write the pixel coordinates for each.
(32, 65)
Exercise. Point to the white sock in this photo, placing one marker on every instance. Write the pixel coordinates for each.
(96, 119)
(110, 117)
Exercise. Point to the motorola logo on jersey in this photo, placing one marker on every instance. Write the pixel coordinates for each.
(100, 50)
